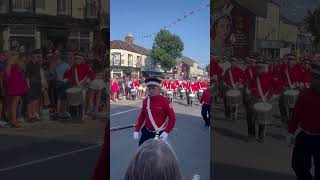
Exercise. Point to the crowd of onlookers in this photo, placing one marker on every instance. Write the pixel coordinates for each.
(127, 88)
(33, 86)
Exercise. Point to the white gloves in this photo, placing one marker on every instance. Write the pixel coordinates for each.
(136, 136)
(164, 136)
(290, 139)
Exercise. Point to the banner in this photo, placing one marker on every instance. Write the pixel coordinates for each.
(231, 31)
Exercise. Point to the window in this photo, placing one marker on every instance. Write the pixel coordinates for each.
(91, 9)
(80, 41)
(138, 61)
(130, 62)
(41, 4)
(116, 59)
(22, 5)
(64, 7)
(22, 37)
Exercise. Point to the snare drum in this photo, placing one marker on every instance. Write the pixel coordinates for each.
(74, 96)
(169, 93)
(200, 93)
(183, 91)
(192, 96)
(133, 92)
(233, 97)
(290, 97)
(263, 112)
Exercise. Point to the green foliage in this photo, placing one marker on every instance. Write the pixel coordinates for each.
(312, 24)
(166, 49)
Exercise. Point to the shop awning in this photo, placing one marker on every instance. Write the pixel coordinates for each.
(257, 7)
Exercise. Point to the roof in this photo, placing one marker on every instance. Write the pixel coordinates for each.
(187, 60)
(118, 44)
(251, 5)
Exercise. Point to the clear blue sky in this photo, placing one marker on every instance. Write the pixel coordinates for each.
(144, 17)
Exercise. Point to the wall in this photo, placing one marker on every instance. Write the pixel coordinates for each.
(288, 32)
(124, 57)
(51, 7)
(268, 28)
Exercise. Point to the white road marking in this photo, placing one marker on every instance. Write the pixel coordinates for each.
(123, 112)
(49, 158)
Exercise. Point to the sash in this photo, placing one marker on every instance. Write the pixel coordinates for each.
(250, 71)
(76, 75)
(231, 79)
(263, 96)
(156, 128)
(289, 80)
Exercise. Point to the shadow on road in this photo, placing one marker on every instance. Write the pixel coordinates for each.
(223, 171)
(230, 133)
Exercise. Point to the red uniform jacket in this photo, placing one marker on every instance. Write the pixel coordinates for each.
(295, 74)
(306, 76)
(215, 70)
(164, 84)
(173, 86)
(206, 98)
(239, 76)
(135, 84)
(267, 85)
(194, 88)
(306, 112)
(203, 85)
(251, 72)
(160, 109)
(183, 85)
(83, 71)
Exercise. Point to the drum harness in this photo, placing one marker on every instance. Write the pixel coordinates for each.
(262, 95)
(155, 126)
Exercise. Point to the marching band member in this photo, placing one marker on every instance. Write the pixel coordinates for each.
(216, 73)
(251, 73)
(291, 78)
(233, 78)
(306, 73)
(154, 113)
(261, 89)
(206, 102)
(305, 119)
(173, 88)
(188, 90)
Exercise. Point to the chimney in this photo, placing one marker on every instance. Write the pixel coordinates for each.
(129, 38)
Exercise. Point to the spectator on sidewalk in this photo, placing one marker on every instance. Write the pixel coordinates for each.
(15, 86)
(60, 68)
(121, 88)
(35, 84)
(154, 160)
(306, 116)
(96, 87)
(114, 89)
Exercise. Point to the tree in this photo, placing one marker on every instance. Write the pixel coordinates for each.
(166, 49)
(312, 25)
(207, 68)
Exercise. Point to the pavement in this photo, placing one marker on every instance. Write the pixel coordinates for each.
(190, 139)
(51, 149)
(234, 157)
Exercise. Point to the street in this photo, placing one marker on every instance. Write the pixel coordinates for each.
(189, 139)
(233, 157)
(51, 150)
